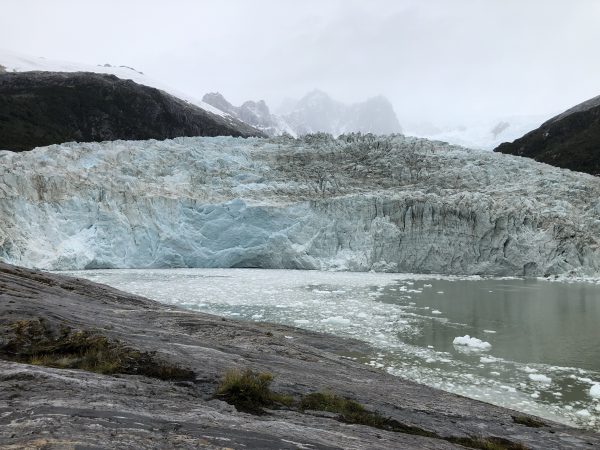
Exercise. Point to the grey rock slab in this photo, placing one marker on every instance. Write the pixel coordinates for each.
(62, 408)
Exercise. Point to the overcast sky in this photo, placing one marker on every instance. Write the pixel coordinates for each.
(445, 61)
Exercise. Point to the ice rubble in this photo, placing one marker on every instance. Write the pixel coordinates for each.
(541, 378)
(357, 203)
(471, 342)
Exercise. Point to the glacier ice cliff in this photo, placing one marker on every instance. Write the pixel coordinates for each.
(354, 203)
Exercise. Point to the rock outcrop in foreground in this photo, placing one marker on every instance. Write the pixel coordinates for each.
(45, 407)
(43, 108)
(357, 203)
(570, 140)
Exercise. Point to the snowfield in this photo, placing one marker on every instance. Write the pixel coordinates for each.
(394, 204)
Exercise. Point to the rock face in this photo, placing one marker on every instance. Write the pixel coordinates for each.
(356, 203)
(570, 140)
(317, 112)
(42, 108)
(45, 407)
(314, 113)
(255, 114)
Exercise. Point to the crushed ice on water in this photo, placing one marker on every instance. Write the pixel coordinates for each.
(352, 305)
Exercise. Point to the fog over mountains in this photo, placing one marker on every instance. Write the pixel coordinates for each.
(313, 113)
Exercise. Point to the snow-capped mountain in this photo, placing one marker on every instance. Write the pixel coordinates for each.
(16, 62)
(318, 112)
(46, 102)
(358, 203)
(255, 114)
(315, 112)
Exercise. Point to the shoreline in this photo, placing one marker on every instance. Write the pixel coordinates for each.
(78, 407)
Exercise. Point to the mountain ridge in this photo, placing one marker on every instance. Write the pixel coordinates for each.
(569, 140)
(316, 112)
(43, 108)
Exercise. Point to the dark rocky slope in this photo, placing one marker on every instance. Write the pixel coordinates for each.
(45, 407)
(570, 140)
(43, 108)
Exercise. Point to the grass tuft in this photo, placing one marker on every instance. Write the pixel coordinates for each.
(353, 412)
(32, 342)
(487, 443)
(250, 391)
(528, 421)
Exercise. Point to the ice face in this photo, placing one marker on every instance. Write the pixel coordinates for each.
(389, 204)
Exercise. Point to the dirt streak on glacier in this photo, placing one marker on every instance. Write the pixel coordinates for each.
(392, 203)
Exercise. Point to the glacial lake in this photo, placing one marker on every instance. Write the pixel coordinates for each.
(543, 355)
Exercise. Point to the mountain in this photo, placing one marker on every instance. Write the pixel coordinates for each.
(570, 140)
(318, 112)
(315, 112)
(42, 108)
(359, 203)
(255, 114)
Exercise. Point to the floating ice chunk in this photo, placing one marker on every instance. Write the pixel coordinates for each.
(529, 369)
(489, 331)
(536, 394)
(488, 359)
(495, 373)
(302, 321)
(436, 311)
(289, 337)
(257, 316)
(583, 413)
(540, 378)
(595, 391)
(585, 380)
(336, 320)
(471, 342)
(427, 285)
(440, 292)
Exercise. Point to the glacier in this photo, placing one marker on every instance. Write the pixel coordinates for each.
(358, 203)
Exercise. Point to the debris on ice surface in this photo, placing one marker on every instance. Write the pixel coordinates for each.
(471, 342)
